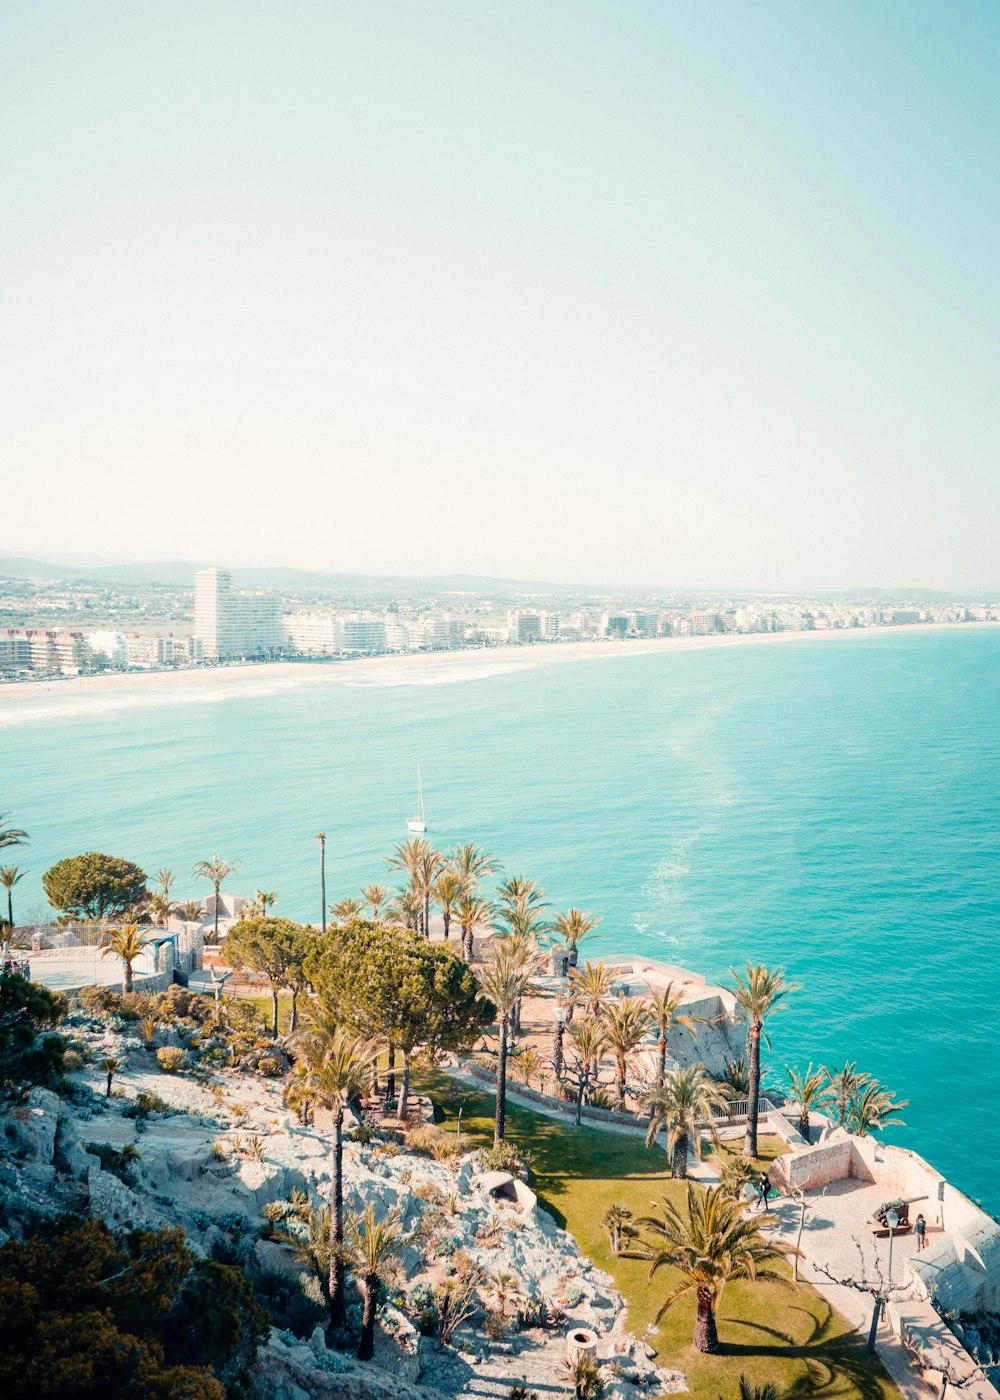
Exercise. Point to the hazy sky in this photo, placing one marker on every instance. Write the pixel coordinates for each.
(667, 292)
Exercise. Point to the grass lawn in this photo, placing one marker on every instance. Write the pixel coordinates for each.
(768, 1332)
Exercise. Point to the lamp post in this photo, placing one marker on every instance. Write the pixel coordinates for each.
(892, 1220)
(557, 1048)
(321, 838)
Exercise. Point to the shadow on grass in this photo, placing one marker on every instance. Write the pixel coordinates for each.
(831, 1362)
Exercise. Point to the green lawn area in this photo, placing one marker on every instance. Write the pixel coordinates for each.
(768, 1332)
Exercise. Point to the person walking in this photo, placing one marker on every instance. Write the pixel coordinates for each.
(921, 1232)
(763, 1190)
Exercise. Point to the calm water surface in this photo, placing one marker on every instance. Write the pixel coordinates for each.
(832, 804)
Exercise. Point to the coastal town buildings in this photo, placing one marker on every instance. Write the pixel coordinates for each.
(230, 624)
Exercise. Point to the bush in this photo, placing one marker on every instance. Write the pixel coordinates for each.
(270, 1067)
(505, 1157)
(146, 1104)
(72, 1061)
(28, 1048)
(170, 1058)
(288, 1303)
(114, 1160)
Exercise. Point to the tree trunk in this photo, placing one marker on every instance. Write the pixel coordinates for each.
(427, 915)
(620, 1087)
(404, 1092)
(128, 979)
(322, 882)
(499, 1125)
(557, 1050)
(366, 1349)
(274, 1012)
(706, 1336)
(216, 913)
(872, 1331)
(390, 1074)
(373, 1086)
(446, 915)
(661, 1064)
(107, 1092)
(10, 909)
(679, 1157)
(581, 1087)
(804, 1124)
(294, 1020)
(574, 955)
(338, 1306)
(753, 1090)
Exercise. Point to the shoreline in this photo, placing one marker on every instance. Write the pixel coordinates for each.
(216, 683)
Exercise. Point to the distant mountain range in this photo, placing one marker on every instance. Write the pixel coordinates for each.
(178, 574)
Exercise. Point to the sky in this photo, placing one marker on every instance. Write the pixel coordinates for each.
(657, 293)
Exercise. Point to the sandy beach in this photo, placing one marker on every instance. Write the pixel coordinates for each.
(24, 699)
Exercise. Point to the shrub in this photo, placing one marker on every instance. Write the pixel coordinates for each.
(28, 1049)
(117, 1161)
(270, 1067)
(72, 1061)
(146, 1104)
(170, 1058)
(505, 1157)
(290, 1306)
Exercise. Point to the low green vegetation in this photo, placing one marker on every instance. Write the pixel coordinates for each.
(769, 1332)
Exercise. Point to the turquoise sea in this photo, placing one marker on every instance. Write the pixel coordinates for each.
(830, 803)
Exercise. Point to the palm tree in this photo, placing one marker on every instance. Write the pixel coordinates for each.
(345, 911)
(339, 1066)
(664, 1013)
(375, 896)
(767, 1391)
(374, 1250)
(215, 870)
(809, 1090)
(678, 1103)
(109, 1067)
(616, 1222)
(573, 927)
(160, 908)
(588, 1039)
(262, 901)
(626, 1023)
(448, 890)
(471, 911)
(405, 907)
(504, 980)
(10, 835)
(870, 1110)
(10, 875)
(522, 921)
(842, 1087)
(710, 1244)
(429, 867)
(409, 856)
(165, 877)
(321, 838)
(126, 943)
(758, 997)
(592, 988)
(470, 863)
(519, 906)
(190, 911)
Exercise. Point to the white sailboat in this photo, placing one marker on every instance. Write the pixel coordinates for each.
(418, 823)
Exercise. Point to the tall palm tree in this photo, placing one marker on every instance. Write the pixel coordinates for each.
(10, 835)
(405, 907)
(429, 866)
(809, 1090)
(525, 922)
(709, 1244)
(626, 1023)
(842, 1087)
(592, 987)
(588, 1039)
(215, 870)
(870, 1110)
(160, 909)
(374, 1248)
(321, 838)
(573, 927)
(471, 912)
(375, 896)
(471, 863)
(165, 879)
(678, 1103)
(339, 1067)
(664, 1012)
(262, 901)
(760, 996)
(345, 911)
(448, 890)
(504, 980)
(126, 943)
(519, 905)
(10, 875)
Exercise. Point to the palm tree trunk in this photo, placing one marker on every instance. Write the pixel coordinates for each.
(706, 1336)
(620, 1086)
(322, 882)
(338, 1307)
(661, 1064)
(404, 1091)
(274, 1011)
(366, 1348)
(128, 978)
(446, 915)
(216, 912)
(499, 1124)
(574, 955)
(679, 1157)
(427, 914)
(10, 909)
(294, 1019)
(753, 1091)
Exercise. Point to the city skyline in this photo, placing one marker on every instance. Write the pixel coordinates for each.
(678, 297)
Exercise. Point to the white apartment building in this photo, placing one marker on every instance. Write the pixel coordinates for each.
(360, 633)
(232, 624)
(311, 633)
(523, 627)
